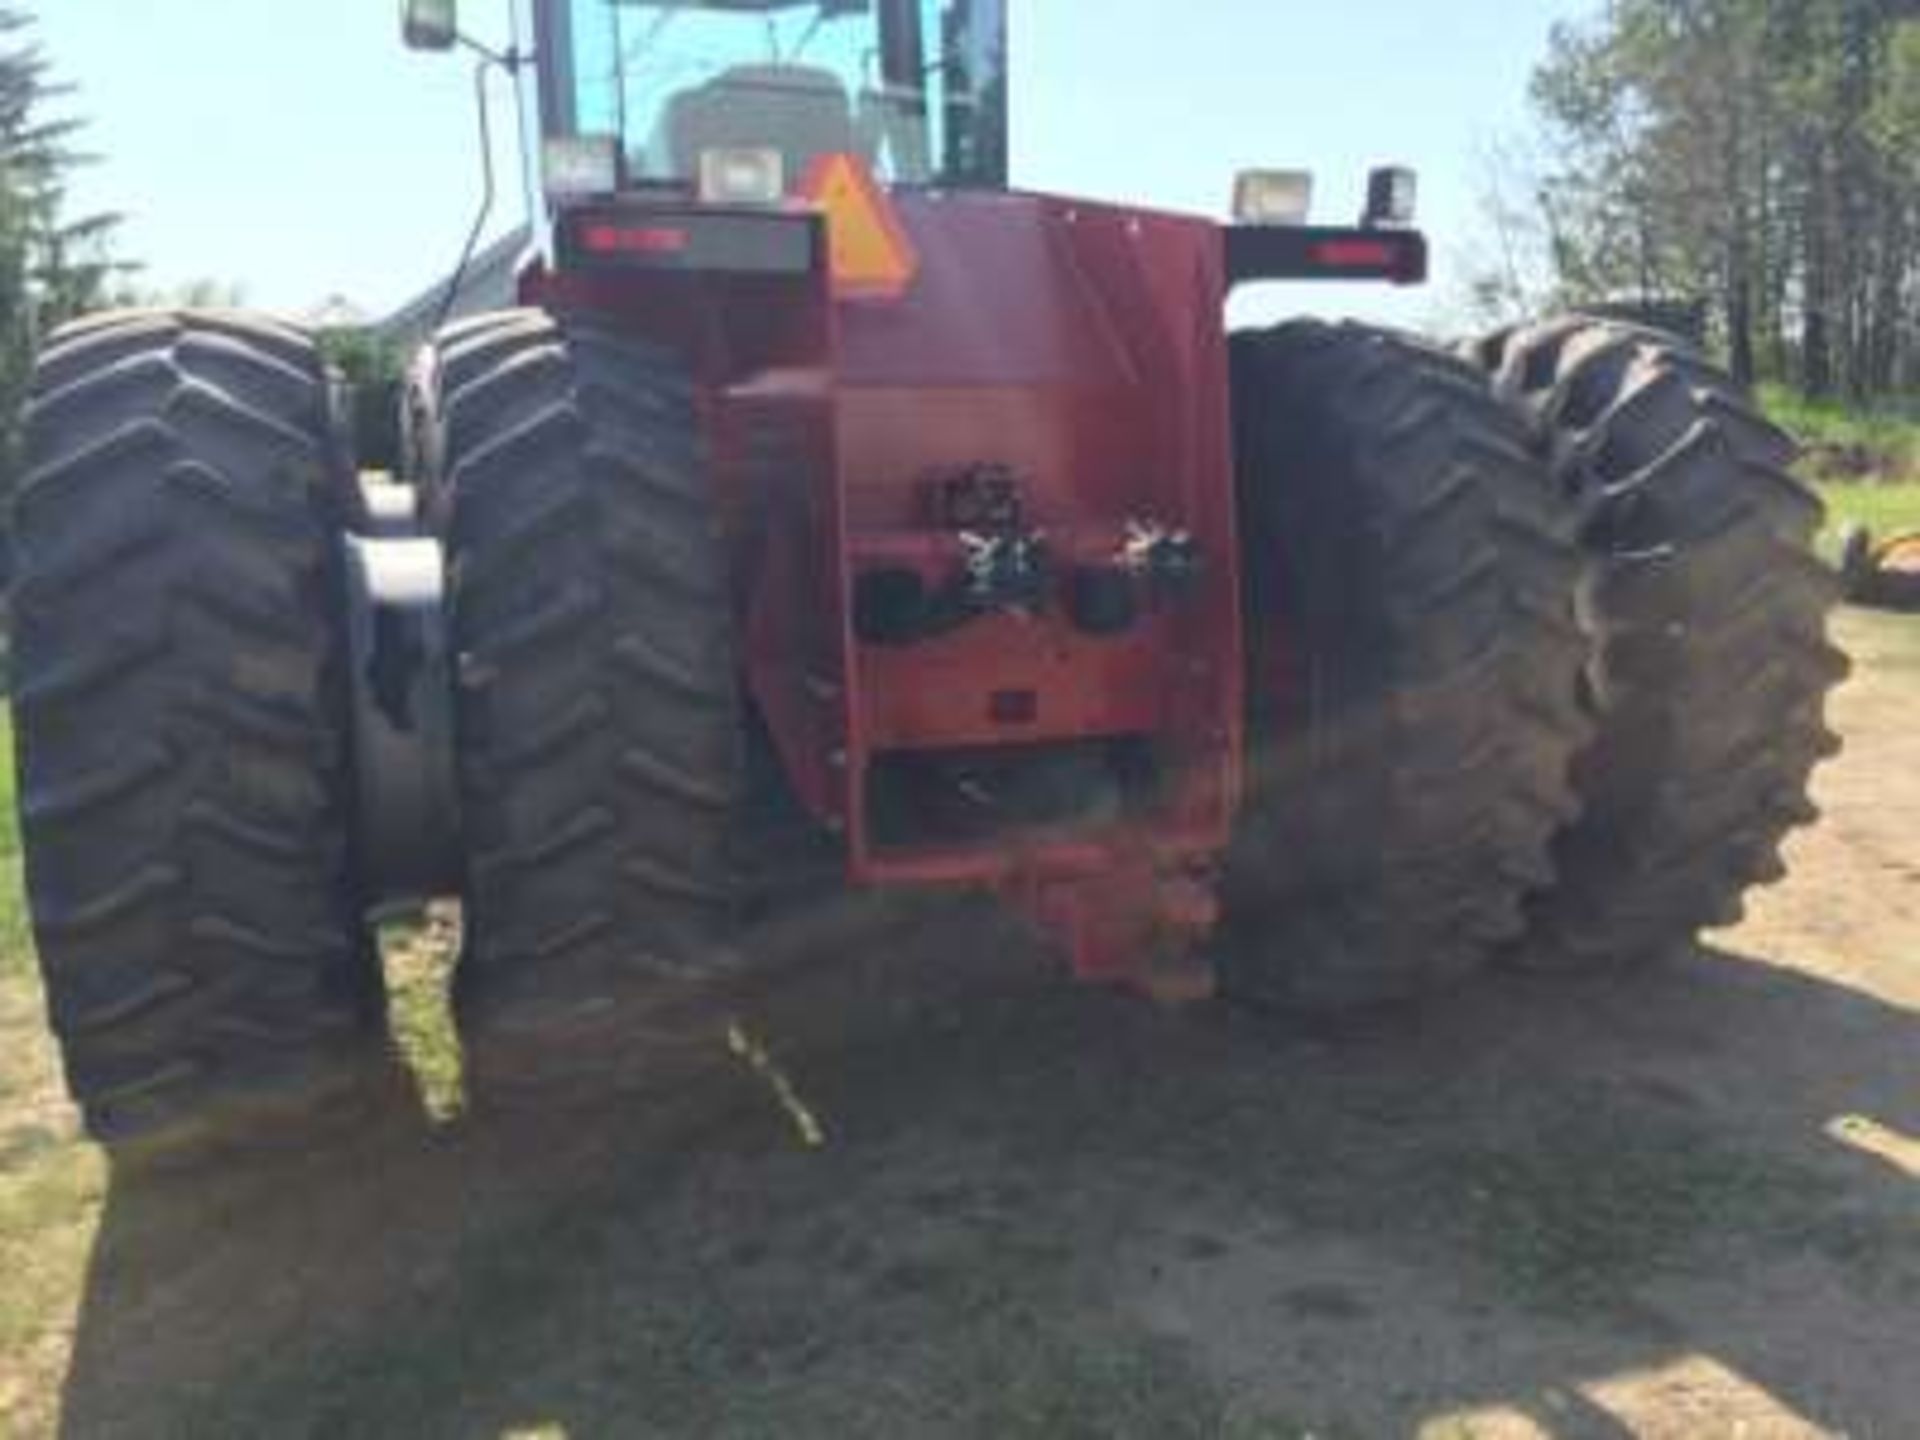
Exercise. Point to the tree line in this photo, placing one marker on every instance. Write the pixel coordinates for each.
(1760, 157)
(54, 265)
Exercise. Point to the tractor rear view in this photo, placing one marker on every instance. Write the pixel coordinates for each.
(821, 474)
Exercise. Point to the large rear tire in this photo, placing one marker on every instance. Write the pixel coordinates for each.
(459, 354)
(180, 712)
(601, 746)
(1711, 662)
(1409, 597)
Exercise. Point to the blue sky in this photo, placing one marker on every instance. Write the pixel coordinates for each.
(294, 148)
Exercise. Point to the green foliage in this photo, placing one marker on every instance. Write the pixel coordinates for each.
(362, 357)
(1865, 459)
(1886, 510)
(202, 294)
(16, 953)
(1866, 443)
(1761, 154)
(53, 265)
(1893, 118)
(375, 371)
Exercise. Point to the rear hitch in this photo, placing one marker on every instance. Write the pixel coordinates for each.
(1138, 925)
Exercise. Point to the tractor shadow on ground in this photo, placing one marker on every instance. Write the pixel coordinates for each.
(1037, 1212)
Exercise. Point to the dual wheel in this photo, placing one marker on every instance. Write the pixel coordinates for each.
(185, 712)
(1537, 654)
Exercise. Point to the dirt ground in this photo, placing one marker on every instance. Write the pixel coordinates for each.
(1684, 1204)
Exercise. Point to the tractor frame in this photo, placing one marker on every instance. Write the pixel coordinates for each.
(982, 536)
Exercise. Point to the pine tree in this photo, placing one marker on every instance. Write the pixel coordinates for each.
(53, 266)
(1761, 156)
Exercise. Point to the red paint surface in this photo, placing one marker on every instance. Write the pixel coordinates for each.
(1083, 346)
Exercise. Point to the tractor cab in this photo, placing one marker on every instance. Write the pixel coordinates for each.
(741, 98)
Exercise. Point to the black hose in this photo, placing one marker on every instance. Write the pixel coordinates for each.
(487, 62)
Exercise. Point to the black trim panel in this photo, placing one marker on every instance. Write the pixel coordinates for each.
(688, 238)
(1309, 252)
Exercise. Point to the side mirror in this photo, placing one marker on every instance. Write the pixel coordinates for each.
(430, 24)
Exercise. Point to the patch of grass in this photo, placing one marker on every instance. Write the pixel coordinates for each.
(1884, 509)
(1865, 461)
(51, 1186)
(616, 1315)
(1583, 1216)
(1847, 442)
(16, 945)
(1028, 1377)
(49, 1200)
(418, 956)
(1034, 1378)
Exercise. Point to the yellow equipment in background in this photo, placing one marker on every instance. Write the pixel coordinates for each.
(1885, 574)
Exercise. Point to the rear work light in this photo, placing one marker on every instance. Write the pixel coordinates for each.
(581, 165)
(1273, 197)
(1393, 197)
(742, 177)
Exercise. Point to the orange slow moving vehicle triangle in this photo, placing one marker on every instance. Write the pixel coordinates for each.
(870, 253)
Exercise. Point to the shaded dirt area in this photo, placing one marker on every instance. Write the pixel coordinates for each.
(1682, 1204)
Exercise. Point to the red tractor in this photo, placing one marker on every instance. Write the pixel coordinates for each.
(820, 469)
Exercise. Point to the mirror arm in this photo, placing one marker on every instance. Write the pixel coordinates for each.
(458, 279)
(512, 59)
